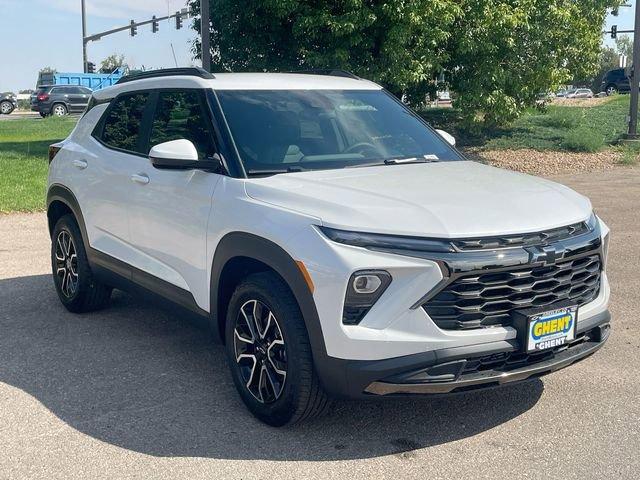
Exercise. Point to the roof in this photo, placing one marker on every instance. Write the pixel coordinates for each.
(243, 81)
(288, 81)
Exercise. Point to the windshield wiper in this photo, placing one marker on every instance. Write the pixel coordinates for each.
(275, 171)
(402, 161)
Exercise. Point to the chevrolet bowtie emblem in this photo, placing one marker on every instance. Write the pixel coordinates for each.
(547, 255)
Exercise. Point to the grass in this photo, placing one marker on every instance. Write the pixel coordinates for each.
(24, 146)
(629, 155)
(558, 127)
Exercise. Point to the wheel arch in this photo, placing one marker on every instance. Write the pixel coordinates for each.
(59, 102)
(61, 201)
(239, 254)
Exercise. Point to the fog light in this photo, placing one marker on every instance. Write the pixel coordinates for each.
(365, 284)
(363, 290)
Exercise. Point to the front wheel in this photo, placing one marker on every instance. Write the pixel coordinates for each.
(611, 90)
(77, 289)
(269, 352)
(6, 107)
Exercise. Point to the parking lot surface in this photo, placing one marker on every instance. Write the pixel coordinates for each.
(137, 391)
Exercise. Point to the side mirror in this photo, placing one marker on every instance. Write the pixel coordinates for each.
(182, 155)
(450, 139)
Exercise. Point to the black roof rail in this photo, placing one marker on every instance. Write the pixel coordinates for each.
(332, 72)
(167, 72)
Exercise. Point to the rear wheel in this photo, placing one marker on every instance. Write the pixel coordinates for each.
(43, 115)
(77, 289)
(59, 110)
(6, 107)
(269, 352)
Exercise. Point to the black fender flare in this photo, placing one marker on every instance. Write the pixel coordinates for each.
(62, 194)
(242, 244)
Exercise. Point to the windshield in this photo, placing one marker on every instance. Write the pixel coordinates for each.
(284, 130)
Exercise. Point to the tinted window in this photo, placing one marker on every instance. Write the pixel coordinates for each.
(181, 115)
(319, 129)
(123, 122)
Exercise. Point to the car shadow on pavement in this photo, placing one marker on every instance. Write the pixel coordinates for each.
(147, 379)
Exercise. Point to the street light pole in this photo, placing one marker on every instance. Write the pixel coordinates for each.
(84, 36)
(635, 78)
(205, 35)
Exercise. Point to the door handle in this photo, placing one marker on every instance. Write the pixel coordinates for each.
(81, 164)
(140, 178)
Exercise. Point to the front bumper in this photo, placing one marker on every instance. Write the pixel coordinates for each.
(459, 369)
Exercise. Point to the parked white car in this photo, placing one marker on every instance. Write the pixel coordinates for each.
(336, 243)
(580, 93)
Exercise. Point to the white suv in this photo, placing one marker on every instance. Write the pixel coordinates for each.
(337, 245)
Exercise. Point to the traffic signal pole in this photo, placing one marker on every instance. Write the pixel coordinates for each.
(84, 35)
(635, 78)
(205, 22)
(132, 27)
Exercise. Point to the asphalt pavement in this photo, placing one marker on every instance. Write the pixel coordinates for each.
(137, 391)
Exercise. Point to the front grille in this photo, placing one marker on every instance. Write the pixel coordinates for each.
(487, 299)
(522, 240)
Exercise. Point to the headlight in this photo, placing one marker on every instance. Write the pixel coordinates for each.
(364, 289)
(376, 241)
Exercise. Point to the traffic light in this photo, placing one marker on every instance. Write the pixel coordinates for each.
(178, 20)
(154, 25)
(134, 28)
(91, 67)
(614, 31)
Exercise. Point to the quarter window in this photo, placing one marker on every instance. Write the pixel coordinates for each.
(181, 115)
(123, 122)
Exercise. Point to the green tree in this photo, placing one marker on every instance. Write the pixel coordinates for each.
(112, 62)
(497, 55)
(624, 45)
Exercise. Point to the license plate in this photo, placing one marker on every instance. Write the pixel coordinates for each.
(551, 329)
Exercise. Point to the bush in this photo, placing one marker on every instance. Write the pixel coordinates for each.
(582, 139)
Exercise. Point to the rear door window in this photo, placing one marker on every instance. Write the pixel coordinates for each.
(122, 125)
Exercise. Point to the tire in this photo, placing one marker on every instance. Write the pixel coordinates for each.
(6, 107)
(59, 110)
(287, 399)
(611, 90)
(78, 291)
(43, 115)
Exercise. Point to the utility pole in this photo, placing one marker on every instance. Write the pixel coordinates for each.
(634, 80)
(205, 34)
(84, 35)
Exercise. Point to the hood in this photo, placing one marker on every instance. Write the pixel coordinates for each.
(444, 200)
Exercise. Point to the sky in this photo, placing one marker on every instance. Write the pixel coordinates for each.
(624, 21)
(40, 33)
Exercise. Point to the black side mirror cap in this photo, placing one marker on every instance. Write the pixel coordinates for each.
(213, 164)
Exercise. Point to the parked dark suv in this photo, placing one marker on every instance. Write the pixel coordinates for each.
(615, 81)
(60, 100)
